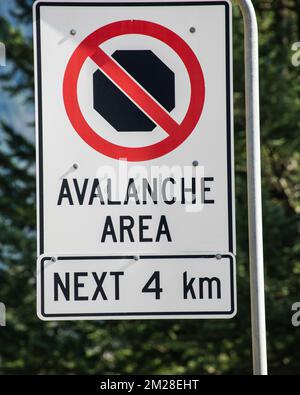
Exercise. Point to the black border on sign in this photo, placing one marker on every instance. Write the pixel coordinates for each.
(139, 314)
(228, 100)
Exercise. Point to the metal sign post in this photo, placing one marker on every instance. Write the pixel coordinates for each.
(78, 136)
(254, 189)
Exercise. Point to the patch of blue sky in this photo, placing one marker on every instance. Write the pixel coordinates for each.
(15, 111)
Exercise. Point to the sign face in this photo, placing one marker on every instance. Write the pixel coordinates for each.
(135, 147)
(121, 287)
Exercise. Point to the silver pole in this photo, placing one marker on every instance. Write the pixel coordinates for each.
(254, 189)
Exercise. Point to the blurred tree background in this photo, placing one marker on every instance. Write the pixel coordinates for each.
(28, 345)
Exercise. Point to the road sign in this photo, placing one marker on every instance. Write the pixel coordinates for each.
(119, 287)
(100, 186)
(135, 145)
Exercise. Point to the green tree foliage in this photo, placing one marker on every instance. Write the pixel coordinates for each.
(28, 345)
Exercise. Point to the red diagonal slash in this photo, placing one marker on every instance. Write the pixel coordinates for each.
(137, 95)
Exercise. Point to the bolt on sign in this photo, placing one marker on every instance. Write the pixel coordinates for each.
(136, 214)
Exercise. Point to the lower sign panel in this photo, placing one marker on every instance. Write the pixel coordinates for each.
(147, 287)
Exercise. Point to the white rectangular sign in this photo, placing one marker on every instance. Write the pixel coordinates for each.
(118, 287)
(135, 158)
(134, 127)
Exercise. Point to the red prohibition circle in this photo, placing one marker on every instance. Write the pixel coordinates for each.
(177, 133)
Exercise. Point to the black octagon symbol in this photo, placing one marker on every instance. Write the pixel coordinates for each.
(151, 73)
